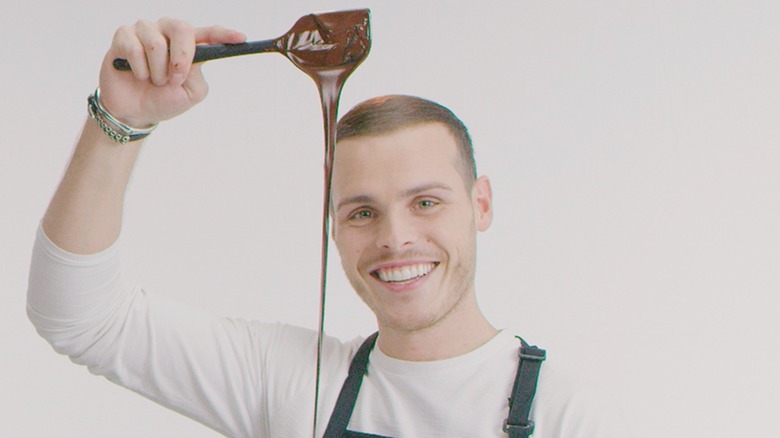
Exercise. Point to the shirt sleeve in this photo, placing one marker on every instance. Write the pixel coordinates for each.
(204, 367)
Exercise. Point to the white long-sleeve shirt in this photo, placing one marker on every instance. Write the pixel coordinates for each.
(252, 379)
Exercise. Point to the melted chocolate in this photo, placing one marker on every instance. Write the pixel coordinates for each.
(327, 47)
(328, 41)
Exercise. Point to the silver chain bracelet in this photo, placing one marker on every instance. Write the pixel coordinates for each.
(123, 132)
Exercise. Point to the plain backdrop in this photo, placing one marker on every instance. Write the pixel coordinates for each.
(633, 149)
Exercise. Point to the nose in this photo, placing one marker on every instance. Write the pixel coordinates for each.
(396, 231)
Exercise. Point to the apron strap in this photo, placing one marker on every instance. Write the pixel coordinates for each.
(517, 425)
(345, 404)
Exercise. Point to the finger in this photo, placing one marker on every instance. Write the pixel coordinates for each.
(218, 35)
(156, 48)
(181, 37)
(126, 45)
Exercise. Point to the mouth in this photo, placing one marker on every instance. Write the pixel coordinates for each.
(404, 274)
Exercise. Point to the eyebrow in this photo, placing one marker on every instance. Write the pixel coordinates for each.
(367, 199)
(424, 188)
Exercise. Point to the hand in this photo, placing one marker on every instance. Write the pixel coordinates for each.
(164, 82)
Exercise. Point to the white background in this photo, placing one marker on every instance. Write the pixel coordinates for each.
(632, 146)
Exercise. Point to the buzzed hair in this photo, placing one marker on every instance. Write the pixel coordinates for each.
(385, 114)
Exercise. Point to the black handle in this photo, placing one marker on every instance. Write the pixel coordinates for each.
(217, 51)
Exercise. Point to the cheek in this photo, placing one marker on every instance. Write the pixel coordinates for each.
(454, 226)
(457, 236)
(349, 246)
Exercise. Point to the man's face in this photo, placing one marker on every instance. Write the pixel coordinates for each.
(405, 225)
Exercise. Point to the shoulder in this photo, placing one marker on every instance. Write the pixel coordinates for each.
(280, 338)
(568, 405)
(292, 349)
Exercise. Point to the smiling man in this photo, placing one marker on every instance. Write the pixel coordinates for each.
(407, 206)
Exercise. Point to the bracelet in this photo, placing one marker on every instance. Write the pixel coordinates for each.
(104, 119)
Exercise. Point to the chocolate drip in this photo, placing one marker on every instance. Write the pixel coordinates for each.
(327, 47)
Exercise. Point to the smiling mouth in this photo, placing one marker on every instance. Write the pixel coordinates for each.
(401, 274)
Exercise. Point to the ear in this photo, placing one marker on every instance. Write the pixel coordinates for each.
(482, 197)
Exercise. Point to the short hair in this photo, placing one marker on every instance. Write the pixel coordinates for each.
(385, 114)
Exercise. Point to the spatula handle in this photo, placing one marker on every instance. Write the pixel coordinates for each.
(216, 51)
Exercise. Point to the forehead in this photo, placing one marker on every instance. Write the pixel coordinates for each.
(413, 155)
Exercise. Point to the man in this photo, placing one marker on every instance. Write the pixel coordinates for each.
(406, 207)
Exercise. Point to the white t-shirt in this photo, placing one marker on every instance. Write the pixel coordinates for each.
(251, 379)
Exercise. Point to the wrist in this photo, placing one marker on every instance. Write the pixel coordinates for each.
(115, 129)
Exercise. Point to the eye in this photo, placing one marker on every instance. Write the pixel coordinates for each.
(361, 214)
(427, 204)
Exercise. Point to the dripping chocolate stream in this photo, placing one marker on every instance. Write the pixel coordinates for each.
(328, 55)
(328, 47)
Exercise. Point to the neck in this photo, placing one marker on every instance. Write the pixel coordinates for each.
(460, 332)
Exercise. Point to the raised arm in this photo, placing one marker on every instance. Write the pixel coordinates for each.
(78, 299)
(85, 214)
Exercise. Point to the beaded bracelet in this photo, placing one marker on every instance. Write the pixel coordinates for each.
(123, 132)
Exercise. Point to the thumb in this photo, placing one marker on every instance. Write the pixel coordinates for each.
(195, 85)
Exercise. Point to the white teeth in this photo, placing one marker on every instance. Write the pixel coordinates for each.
(405, 273)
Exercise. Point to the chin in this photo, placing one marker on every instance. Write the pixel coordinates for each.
(409, 325)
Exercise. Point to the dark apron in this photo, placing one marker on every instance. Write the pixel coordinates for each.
(517, 424)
